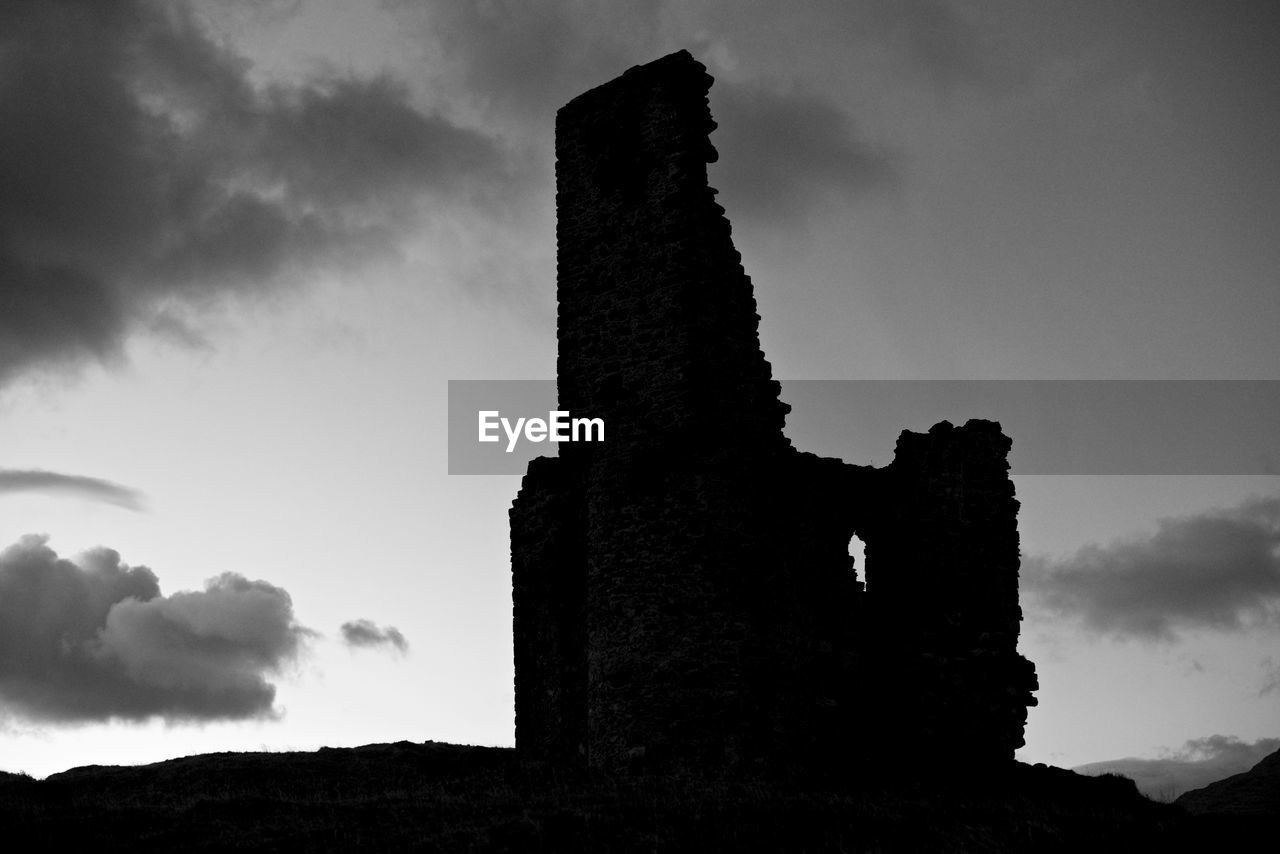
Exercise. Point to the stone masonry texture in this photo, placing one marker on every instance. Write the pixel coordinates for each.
(683, 594)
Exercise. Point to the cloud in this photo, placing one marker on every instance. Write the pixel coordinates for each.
(533, 55)
(1200, 762)
(364, 633)
(781, 150)
(140, 168)
(1271, 677)
(528, 57)
(94, 639)
(937, 41)
(932, 36)
(1217, 570)
(92, 488)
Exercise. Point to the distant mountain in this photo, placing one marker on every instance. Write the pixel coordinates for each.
(1255, 792)
(1200, 762)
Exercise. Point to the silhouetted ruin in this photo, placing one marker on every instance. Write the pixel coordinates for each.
(684, 595)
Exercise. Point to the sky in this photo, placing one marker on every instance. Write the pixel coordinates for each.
(245, 245)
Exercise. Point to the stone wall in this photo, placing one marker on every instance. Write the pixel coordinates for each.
(683, 594)
(942, 597)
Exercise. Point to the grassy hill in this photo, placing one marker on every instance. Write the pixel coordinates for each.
(441, 797)
(1255, 792)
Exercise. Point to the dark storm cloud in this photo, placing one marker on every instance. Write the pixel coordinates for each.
(528, 57)
(779, 151)
(931, 39)
(94, 639)
(1200, 762)
(96, 489)
(533, 55)
(365, 633)
(139, 164)
(780, 148)
(1217, 570)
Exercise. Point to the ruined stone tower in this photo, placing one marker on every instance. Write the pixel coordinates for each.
(683, 593)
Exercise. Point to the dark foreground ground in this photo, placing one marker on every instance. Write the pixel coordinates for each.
(441, 797)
